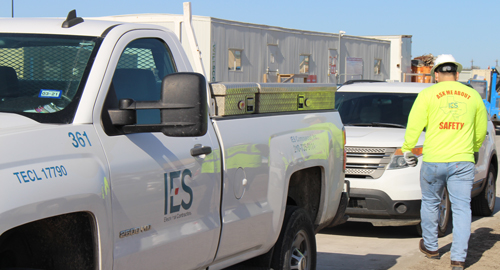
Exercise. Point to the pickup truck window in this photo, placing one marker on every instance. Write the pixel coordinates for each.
(139, 74)
(42, 76)
(374, 109)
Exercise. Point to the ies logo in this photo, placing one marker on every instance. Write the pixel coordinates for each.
(176, 191)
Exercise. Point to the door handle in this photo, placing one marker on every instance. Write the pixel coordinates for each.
(204, 150)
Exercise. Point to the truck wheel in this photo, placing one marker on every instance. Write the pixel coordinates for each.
(484, 203)
(444, 215)
(296, 245)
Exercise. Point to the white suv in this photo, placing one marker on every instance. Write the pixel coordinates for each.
(384, 190)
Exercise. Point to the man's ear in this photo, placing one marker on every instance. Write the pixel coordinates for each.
(436, 77)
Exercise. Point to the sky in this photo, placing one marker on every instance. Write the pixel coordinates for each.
(466, 29)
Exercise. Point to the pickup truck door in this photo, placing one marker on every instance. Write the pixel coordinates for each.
(165, 202)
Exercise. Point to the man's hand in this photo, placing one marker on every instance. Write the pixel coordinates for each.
(410, 159)
(476, 157)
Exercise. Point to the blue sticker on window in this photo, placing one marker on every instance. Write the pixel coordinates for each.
(48, 93)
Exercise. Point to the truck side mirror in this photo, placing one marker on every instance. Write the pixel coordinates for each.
(185, 95)
(183, 108)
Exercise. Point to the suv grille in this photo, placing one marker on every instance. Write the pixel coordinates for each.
(367, 162)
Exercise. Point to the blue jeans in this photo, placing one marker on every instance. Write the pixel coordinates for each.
(457, 177)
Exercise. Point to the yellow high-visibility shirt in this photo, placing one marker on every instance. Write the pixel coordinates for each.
(455, 119)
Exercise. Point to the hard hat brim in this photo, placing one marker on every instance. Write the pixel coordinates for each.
(459, 67)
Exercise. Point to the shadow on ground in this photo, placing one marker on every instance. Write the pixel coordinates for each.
(335, 261)
(481, 240)
(363, 229)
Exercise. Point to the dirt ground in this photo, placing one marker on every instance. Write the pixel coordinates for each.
(484, 248)
(484, 243)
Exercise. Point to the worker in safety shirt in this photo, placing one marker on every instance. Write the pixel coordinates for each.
(455, 120)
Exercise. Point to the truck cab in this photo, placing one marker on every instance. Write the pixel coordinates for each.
(120, 156)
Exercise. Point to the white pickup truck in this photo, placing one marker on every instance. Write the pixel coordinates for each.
(384, 190)
(116, 155)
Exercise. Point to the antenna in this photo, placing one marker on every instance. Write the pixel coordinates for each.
(71, 20)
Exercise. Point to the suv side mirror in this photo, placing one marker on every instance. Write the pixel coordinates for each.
(183, 108)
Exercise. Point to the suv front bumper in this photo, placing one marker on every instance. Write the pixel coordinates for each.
(376, 207)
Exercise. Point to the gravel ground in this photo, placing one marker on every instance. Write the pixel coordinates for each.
(354, 246)
(484, 243)
(483, 253)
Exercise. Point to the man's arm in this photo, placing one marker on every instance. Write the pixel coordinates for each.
(480, 126)
(417, 121)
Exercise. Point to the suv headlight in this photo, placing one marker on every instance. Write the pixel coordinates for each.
(398, 160)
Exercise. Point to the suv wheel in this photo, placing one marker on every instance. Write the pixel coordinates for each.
(444, 215)
(484, 203)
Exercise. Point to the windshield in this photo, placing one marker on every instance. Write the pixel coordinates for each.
(42, 76)
(374, 109)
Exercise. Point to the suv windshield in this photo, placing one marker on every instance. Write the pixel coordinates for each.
(42, 76)
(374, 109)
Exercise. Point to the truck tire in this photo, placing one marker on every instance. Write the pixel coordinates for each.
(296, 245)
(444, 215)
(484, 203)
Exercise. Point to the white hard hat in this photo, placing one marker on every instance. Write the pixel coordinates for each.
(443, 59)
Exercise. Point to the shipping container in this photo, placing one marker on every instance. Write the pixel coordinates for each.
(245, 52)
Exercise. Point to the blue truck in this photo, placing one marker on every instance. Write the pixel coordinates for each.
(489, 93)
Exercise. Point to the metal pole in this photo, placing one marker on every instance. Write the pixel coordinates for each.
(187, 21)
(339, 59)
(12, 8)
(338, 62)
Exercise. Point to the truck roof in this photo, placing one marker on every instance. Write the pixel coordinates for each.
(385, 87)
(53, 26)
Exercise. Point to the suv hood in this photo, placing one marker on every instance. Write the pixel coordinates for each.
(377, 136)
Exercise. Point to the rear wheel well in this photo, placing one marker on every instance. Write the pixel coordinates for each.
(494, 162)
(60, 242)
(304, 190)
